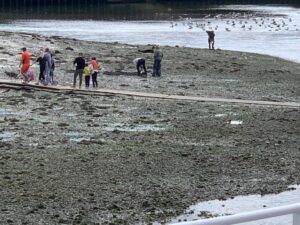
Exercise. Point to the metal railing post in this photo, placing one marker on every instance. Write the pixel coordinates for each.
(296, 218)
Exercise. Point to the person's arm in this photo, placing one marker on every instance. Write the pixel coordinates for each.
(146, 51)
(37, 60)
(21, 60)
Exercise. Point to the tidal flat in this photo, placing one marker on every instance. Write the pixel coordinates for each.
(79, 159)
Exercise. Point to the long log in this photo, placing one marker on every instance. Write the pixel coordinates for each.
(110, 92)
(29, 87)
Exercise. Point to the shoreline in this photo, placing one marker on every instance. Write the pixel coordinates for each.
(149, 44)
(74, 159)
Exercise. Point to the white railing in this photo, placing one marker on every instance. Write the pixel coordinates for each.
(251, 216)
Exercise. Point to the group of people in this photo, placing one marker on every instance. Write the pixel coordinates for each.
(91, 69)
(140, 63)
(83, 69)
(47, 66)
(87, 70)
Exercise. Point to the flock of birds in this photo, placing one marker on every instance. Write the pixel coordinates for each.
(237, 21)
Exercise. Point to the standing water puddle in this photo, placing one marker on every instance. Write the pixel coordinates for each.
(7, 135)
(77, 136)
(138, 128)
(221, 115)
(9, 112)
(241, 204)
(236, 122)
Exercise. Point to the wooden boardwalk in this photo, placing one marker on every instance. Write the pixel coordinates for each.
(110, 92)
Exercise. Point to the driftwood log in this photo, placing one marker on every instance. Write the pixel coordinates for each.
(51, 89)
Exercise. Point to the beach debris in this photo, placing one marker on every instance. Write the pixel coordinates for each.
(11, 74)
(69, 48)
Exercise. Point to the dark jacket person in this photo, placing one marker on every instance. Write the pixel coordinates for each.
(79, 62)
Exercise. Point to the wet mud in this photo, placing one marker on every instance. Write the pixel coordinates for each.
(78, 159)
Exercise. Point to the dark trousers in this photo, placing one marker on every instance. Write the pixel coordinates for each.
(141, 66)
(76, 74)
(87, 80)
(94, 79)
(157, 68)
(41, 75)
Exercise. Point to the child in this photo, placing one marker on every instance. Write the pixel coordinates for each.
(87, 75)
(95, 69)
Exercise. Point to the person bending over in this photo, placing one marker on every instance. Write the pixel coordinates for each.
(140, 64)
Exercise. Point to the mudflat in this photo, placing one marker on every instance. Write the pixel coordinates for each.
(78, 159)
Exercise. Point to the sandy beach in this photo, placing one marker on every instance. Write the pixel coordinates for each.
(74, 159)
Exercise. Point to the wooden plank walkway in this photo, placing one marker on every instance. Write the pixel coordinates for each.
(109, 92)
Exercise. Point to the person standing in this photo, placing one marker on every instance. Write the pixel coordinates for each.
(87, 75)
(80, 63)
(52, 68)
(47, 60)
(95, 70)
(158, 55)
(24, 63)
(41, 62)
(140, 64)
(211, 39)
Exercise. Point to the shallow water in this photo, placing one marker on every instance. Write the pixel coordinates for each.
(236, 122)
(277, 35)
(245, 204)
(138, 128)
(4, 112)
(7, 135)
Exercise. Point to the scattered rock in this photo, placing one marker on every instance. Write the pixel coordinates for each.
(69, 48)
